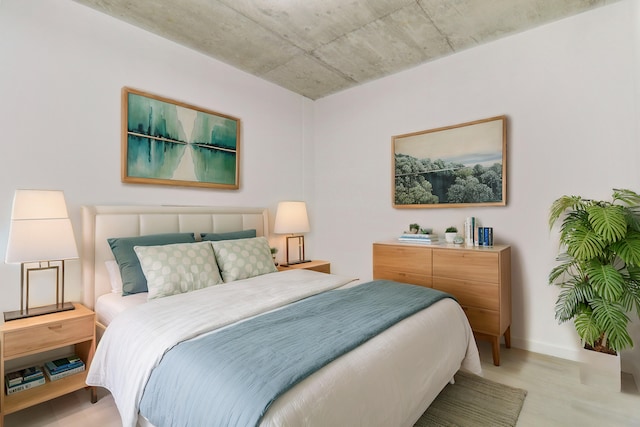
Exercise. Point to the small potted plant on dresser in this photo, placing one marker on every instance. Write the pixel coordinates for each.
(598, 274)
(450, 234)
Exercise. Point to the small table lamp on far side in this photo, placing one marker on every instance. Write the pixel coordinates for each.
(292, 218)
(40, 238)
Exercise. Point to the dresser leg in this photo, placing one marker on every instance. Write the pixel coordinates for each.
(495, 349)
(94, 394)
(507, 337)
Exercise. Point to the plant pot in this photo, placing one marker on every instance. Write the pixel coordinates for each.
(450, 237)
(600, 370)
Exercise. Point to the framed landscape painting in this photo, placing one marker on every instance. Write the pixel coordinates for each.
(454, 166)
(172, 143)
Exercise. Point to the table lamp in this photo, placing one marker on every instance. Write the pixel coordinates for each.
(291, 218)
(40, 238)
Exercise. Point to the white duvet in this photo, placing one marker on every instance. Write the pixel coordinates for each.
(413, 360)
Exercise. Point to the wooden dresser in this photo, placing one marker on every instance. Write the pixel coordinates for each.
(479, 277)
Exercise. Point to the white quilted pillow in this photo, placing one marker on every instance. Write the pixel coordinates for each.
(243, 258)
(178, 268)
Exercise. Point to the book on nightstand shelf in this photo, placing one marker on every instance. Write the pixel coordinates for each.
(13, 378)
(65, 373)
(63, 364)
(23, 379)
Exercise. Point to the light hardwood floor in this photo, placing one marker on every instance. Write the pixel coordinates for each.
(555, 397)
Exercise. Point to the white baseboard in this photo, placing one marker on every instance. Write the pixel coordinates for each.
(569, 353)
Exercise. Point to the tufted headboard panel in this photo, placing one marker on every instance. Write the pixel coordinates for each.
(102, 222)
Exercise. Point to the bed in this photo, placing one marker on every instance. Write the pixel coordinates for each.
(387, 380)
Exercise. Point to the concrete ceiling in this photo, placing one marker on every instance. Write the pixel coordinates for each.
(319, 47)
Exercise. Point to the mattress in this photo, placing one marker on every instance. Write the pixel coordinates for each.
(108, 306)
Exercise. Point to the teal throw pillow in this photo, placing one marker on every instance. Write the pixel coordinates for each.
(232, 235)
(133, 280)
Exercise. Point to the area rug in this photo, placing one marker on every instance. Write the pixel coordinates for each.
(474, 401)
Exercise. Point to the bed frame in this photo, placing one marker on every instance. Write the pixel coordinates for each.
(396, 394)
(102, 222)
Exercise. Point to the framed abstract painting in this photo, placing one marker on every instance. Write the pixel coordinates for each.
(168, 142)
(454, 166)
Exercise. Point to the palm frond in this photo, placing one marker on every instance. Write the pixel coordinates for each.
(572, 299)
(584, 244)
(628, 249)
(608, 221)
(560, 205)
(587, 327)
(569, 268)
(612, 320)
(631, 298)
(629, 197)
(631, 200)
(606, 280)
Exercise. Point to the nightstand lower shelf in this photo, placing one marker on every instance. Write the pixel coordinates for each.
(50, 390)
(32, 336)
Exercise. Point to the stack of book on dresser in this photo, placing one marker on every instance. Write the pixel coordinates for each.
(427, 239)
(60, 368)
(23, 379)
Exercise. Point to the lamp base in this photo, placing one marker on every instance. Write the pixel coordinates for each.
(37, 311)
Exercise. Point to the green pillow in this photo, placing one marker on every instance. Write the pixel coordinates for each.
(243, 258)
(178, 268)
(133, 280)
(232, 235)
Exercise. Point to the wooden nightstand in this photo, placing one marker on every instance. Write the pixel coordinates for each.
(26, 337)
(315, 265)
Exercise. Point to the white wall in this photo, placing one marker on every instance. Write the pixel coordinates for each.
(61, 71)
(567, 89)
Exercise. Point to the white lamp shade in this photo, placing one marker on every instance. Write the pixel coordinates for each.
(291, 217)
(39, 204)
(40, 228)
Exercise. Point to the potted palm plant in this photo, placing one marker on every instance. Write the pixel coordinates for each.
(599, 270)
(599, 277)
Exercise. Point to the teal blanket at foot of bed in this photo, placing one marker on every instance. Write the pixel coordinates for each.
(231, 377)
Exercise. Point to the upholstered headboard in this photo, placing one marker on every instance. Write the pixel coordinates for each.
(102, 222)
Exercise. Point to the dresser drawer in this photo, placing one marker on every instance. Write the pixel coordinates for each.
(402, 276)
(408, 259)
(47, 336)
(482, 320)
(467, 265)
(470, 293)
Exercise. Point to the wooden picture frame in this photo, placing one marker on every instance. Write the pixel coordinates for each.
(450, 167)
(168, 142)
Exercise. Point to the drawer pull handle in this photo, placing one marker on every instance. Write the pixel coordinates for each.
(55, 327)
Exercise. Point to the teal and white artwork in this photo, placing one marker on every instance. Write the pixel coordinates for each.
(168, 142)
